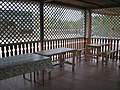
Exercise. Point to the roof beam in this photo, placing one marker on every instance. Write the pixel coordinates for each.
(48, 0)
(107, 6)
(115, 1)
(66, 4)
(88, 2)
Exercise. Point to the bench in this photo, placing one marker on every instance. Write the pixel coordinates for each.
(79, 53)
(107, 54)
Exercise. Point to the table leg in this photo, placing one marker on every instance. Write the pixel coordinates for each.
(30, 77)
(34, 76)
(98, 51)
(60, 60)
(43, 77)
(24, 76)
(49, 75)
(107, 57)
(73, 65)
(102, 59)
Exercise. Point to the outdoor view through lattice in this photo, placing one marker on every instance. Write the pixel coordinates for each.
(23, 20)
(20, 23)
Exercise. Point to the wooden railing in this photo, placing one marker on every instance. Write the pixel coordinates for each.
(7, 50)
(75, 43)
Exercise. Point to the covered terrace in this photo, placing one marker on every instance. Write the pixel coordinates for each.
(28, 26)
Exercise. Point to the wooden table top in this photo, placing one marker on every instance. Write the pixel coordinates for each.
(96, 45)
(55, 51)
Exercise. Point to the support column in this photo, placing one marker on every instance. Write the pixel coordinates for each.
(89, 27)
(88, 32)
(85, 26)
(41, 23)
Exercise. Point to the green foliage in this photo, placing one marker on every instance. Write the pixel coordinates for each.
(106, 25)
(54, 23)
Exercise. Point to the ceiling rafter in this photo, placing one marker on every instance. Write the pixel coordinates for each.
(88, 2)
(115, 1)
(106, 12)
(107, 6)
(48, 0)
(66, 4)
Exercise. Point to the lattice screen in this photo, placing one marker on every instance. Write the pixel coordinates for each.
(62, 22)
(19, 21)
(106, 23)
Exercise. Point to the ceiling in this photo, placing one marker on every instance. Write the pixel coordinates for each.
(104, 6)
(86, 4)
(108, 11)
(97, 6)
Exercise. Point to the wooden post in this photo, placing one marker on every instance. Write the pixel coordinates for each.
(88, 36)
(89, 27)
(41, 23)
(85, 24)
(111, 30)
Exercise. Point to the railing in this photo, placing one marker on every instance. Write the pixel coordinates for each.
(7, 50)
(75, 43)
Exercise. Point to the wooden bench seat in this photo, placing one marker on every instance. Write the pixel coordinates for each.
(79, 53)
(107, 54)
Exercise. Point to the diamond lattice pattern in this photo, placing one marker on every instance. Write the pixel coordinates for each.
(19, 21)
(106, 23)
(62, 22)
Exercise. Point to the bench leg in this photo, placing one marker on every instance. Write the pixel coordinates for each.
(79, 55)
(49, 75)
(106, 61)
